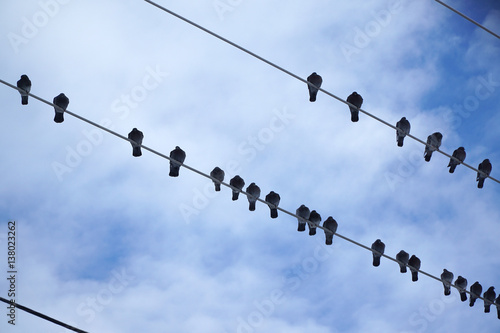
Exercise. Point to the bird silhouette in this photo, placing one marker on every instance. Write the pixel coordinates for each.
(357, 101)
(489, 298)
(24, 84)
(177, 157)
(403, 129)
(253, 194)
(433, 144)
(314, 221)
(414, 264)
(62, 103)
(475, 291)
(238, 183)
(378, 248)
(314, 82)
(273, 200)
(484, 171)
(331, 225)
(304, 213)
(136, 136)
(403, 258)
(218, 175)
(497, 303)
(461, 284)
(447, 278)
(459, 155)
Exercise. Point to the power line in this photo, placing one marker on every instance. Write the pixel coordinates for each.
(226, 184)
(468, 19)
(305, 81)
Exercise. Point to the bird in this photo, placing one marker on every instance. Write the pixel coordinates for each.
(177, 157)
(357, 101)
(414, 264)
(403, 128)
(378, 248)
(273, 200)
(461, 284)
(314, 82)
(403, 258)
(136, 136)
(447, 278)
(475, 291)
(331, 225)
(253, 194)
(304, 213)
(489, 298)
(314, 221)
(238, 183)
(433, 143)
(24, 84)
(62, 102)
(497, 303)
(459, 155)
(484, 171)
(218, 175)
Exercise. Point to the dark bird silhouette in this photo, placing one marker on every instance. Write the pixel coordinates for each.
(378, 248)
(62, 102)
(475, 291)
(447, 278)
(331, 225)
(238, 183)
(136, 136)
(484, 171)
(403, 257)
(433, 143)
(489, 298)
(497, 303)
(273, 200)
(357, 100)
(403, 129)
(315, 82)
(314, 221)
(218, 175)
(461, 284)
(304, 213)
(25, 85)
(459, 154)
(414, 264)
(253, 194)
(177, 157)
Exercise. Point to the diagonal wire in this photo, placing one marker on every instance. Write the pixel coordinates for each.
(305, 81)
(230, 186)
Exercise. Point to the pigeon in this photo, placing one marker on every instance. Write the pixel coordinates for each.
(177, 157)
(331, 225)
(433, 143)
(447, 278)
(62, 102)
(403, 258)
(459, 154)
(414, 264)
(497, 303)
(253, 194)
(461, 284)
(218, 174)
(315, 220)
(357, 100)
(136, 136)
(25, 85)
(304, 213)
(489, 298)
(475, 291)
(238, 183)
(484, 171)
(378, 248)
(315, 82)
(403, 128)
(273, 200)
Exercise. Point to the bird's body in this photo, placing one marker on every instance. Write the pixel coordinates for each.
(357, 101)
(461, 284)
(136, 136)
(433, 144)
(378, 248)
(403, 129)
(314, 221)
(331, 225)
(403, 258)
(177, 157)
(497, 303)
(24, 84)
(484, 171)
(447, 278)
(253, 194)
(475, 291)
(315, 82)
(273, 200)
(458, 154)
(414, 264)
(489, 298)
(62, 102)
(218, 175)
(304, 213)
(238, 183)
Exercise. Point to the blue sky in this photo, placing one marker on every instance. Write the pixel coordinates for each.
(110, 243)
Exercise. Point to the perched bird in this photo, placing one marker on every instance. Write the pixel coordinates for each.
(497, 303)
(459, 154)
(315, 82)
(403, 258)
(304, 213)
(314, 221)
(461, 284)
(253, 194)
(331, 225)
(403, 128)
(489, 298)
(484, 171)
(357, 100)
(414, 264)
(25, 85)
(447, 278)
(177, 157)
(475, 291)
(433, 143)
(218, 174)
(273, 200)
(136, 136)
(238, 183)
(378, 248)
(62, 102)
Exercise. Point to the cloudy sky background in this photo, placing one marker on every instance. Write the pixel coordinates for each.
(111, 243)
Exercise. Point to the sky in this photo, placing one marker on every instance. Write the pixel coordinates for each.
(108, 242)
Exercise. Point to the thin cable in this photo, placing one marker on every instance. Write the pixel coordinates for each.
(41, 315)
(227, 185)
(305, 81)
(469, 19)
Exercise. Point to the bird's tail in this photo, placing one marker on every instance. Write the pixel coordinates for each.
(217, 187)
(447, 291)
(376, 261)
(251, 206)
(329, 239)
(274, 213)
(487, 308)
(59, 117)
(480, 184)
(498, 312)
(428, 155)
(452, 168)
(302, 227)
(312, 231)
(136, 151)
(24, 100)
(472, 301)
(236, 194)
(463, 296)
(174, 170)
(402, 268)
(354, 115)
(414, 276)
(400, 141)
(312, 96)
